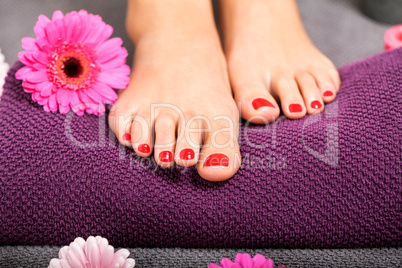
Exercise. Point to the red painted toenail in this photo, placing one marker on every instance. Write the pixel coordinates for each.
(258, 103)
(144, 148)
(295, 108)
(316, 105)
(165, 156)
(187, 154)
(216, 160)
(328, 93)
(126, 137)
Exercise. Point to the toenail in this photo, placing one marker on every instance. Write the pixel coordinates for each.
(316, 105)
(126, 137)
(328, 93)
(260, 102)
(216, 160)
(187, 154)
(295, 108)
(165, 156)
(144, 148)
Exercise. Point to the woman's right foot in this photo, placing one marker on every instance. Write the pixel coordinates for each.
(178, 105)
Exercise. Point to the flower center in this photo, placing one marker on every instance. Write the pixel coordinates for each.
(73, 66)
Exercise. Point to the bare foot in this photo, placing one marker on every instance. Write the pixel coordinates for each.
(179, 105)
(271, 60)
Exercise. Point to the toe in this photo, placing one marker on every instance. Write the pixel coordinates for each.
(220, 156)
(165, 139)
(188, 142)
(325, 83)
(292, 103)
(256, 104)
(120, 121)
(310, 92)
(141, 134)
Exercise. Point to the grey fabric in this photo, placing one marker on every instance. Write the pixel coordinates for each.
(34, 256)
(337, 27)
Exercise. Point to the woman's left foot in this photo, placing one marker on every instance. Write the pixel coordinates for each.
(271, 60)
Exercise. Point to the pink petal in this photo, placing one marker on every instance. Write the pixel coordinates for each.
(85, 99)
(107, 256)
(64, 264)
(64, 109)
(52, 33)
(63, 96)
(55, 263)
(259, 260)
(113, 63)
(226, 262)
(92, 251)
(112, 81)
(57, 15)
(130, 263)
(268, 264)
(108, 50)
(71, 20)
(39, 66)
(46, 107)
(53, 102)
(92, 94)
(23, 72)
(41, 57)
(37, 76)
(78, 252)
(105, 91)
(246, 261)
(29, 43)
(73, 259)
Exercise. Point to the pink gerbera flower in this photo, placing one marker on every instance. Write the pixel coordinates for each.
(72, 63)
(245, 261)
(93, 253)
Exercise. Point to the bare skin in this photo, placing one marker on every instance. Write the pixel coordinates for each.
(180, 66)
(179, 104)
(270, 57)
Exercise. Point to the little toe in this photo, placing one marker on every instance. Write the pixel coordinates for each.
(310, 92)
(325, 83)
(288, 92)
(141, 134)
(165, 139)
(220, 156)
(120, 121)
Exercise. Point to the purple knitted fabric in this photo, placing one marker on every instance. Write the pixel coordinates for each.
(326, 181)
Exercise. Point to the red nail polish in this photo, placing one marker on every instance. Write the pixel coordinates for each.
(127, 137)
(216, 160)
(295, 108)
(316, 105)
(187, 154)
(165, 156)
(260, 102)
(328, 93)
(144, 148)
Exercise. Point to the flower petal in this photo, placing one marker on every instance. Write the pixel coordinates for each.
(37, 76)
(108, 50)
(29, 43)
(112, 81)
(107, 256)
(53, 102)
(23, 72)
(63, 96)
(105, 91)
(57, 15)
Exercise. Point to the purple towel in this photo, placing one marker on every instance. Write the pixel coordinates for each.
(326, 181)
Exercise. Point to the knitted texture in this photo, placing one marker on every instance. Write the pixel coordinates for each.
(327, 180)
(39, 256)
